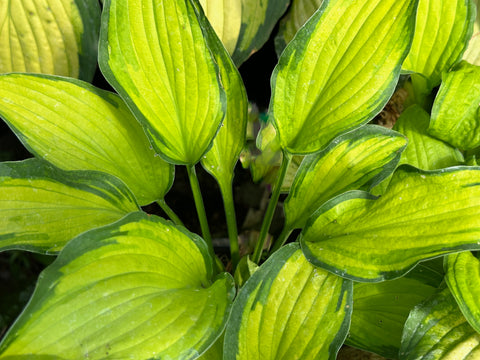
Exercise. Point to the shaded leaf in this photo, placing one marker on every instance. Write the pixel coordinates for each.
(442, 31)
(366, 156)
(289, 309)
(339, 71)
(424, 151)
(455, 116)
(463, 279)
(49, 36)
(140, 288)
(154, 54)
(43, 207)
(437, 329)
(421, 215)
(75, 126)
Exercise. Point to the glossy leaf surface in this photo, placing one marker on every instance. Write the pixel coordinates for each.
(381, 309)
(365, 156)
(154, 54)
(422, 215)
(289, 309)
(42, 207)
(49, 36)
(437, 329)
(424, 151)
(140, 288)
(75, 126)
(455, 116)
(442, 31)
(463, 279)
(220, 160)
(339, 71)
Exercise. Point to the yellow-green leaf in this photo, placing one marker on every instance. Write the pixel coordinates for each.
(49, 36)
(155, 55)
(442, 31)
(289, 309)
(421, 215)
(42, 207)
(75, 126)
(339, 70)
(141, 288)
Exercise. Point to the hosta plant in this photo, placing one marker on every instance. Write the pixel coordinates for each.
(381, 226)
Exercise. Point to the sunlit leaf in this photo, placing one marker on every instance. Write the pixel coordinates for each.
(463, 279)
(381, 309)
(340, 70)
(154, 54)
(220, 160)
(437, 329)
(422, 215)
(455, 112)
(140, 288)
(42, 207)
(472, 54)
(75, 126)
(289, 309)
(424, 151)
(442, 31)
(49, 36)
(226, 20)
(361, 157)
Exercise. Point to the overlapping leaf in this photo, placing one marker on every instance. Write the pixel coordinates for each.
(289, 309)
(357, 158)
(42, 207)
(220, 160)
(422, 215)
(472, 54)
(49, 36)
(381, 309)
(154, 54)
(140, 288)
(78, 127)
(437, 329)
(424, 151)
(340, 70)
(442, 31)
(463, 279)
(455, 116)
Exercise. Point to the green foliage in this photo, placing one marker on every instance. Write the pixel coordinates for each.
(365, 268)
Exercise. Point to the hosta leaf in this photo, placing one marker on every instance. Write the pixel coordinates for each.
(424, 151)
(367, 155)
(226, 20)
(422, 215)
(49, 36)
(154, 54)
(42, 207)
(78, 127)
(258, 20)
(455, 116)
(437, 329)
(220, 160)
(442, 31)
(472, 54)
(140, 288)
(340, 70)
(298, 14)
(463, 279)
(381, 309)
(289, 309)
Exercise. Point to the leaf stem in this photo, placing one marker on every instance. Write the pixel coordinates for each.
(227, 195)
(170, 213)
(202, 216)
(267, 220)
(281, 239)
